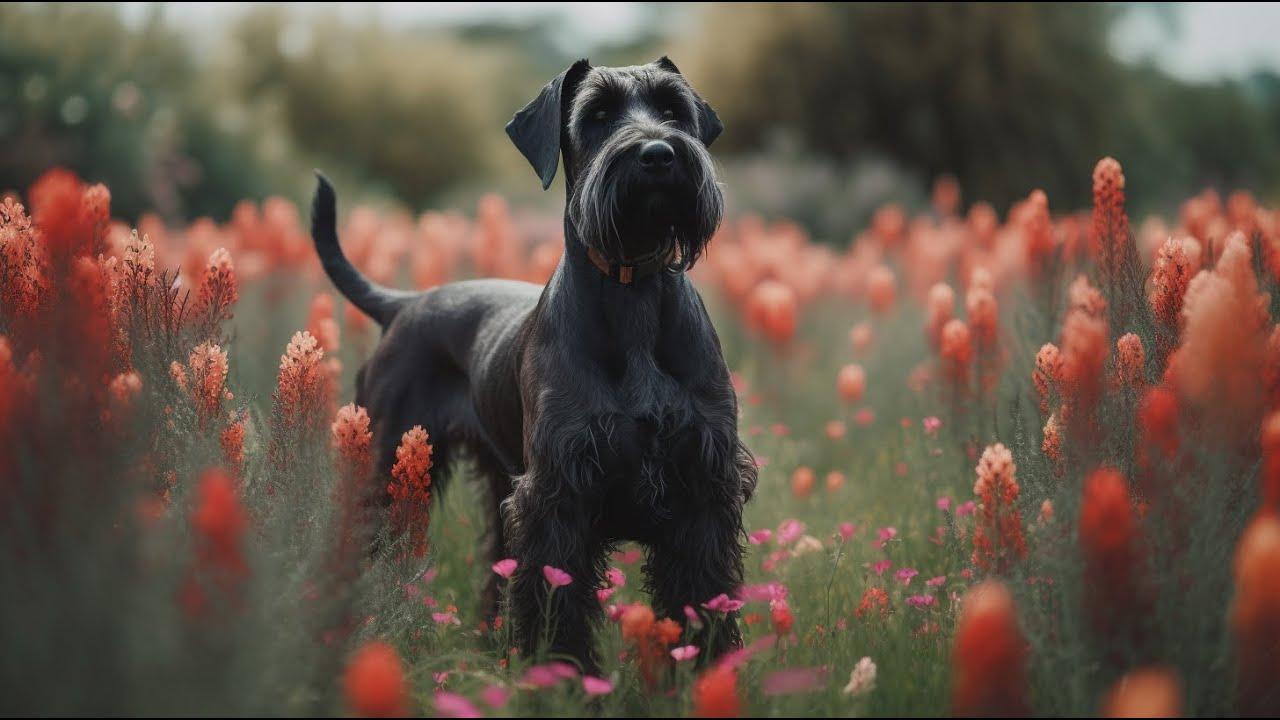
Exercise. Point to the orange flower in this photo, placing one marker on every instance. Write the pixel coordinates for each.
(1086, 298)
(1037, 230)
(802, 481)
(989, 656)
(1130, 360)
(206, 380)
(715, 693)
(874, 600)
(1255, 616)
(851, 383)
(997, 537)
(232, 440)
(956, 349)
(409, 492)
(939, 308)
(321, 324)
(218, 291)
(20, 259)
(1084, 356)
(861, 336)
(1047, 374)
(882, 288)
(374, 682)
(1169, 280)
(1109, 226)
(637, 622)
(351, 436)
(299, 396)
(1145, 693)
(1052, 445)
(650, 638)
(1158, 426)
(835, 481)
(121, 392)
(1224, 347)
(983, 316)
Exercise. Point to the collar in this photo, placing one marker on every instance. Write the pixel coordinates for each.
(651, 264)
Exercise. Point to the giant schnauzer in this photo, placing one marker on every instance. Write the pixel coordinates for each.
(598, 408)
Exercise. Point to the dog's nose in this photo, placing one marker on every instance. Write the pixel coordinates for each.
(656, 155)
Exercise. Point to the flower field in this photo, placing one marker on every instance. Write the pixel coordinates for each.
(1011, 463)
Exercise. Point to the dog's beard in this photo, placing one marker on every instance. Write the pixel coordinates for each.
(620, 211)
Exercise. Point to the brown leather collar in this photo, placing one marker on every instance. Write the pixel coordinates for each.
(642, 267)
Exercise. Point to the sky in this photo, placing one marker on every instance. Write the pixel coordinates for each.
(1195, 41)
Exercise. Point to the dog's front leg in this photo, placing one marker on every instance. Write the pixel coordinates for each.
(697, 557)
(553, 530)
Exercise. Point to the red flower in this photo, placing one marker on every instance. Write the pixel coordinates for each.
(218, 291)
(1130, 360)
(851, 383)
(1169, 280)
(882, 288)
(715, 693)
(771, 311)
(780, 616)
(956, 349)
(218, 526)
(989, 656)
(1109, 539)
(374, 682)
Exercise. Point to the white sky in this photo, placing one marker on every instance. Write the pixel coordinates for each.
(1211, 40)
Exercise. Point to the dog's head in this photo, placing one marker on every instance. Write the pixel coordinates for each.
(634, 142)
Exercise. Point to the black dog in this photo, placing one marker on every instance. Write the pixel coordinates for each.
(599, 408)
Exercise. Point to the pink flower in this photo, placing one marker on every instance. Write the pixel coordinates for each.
(440, 677)
(504, 568)
(767, 592)
(944, 503)
(921, 601)
(495, 696)
(627, 557)
(931, 424)
(603, 594)
(846, 531)
(793, 681)
(596, 686)
(692, 616)
(865, 417)
(688, 652)
(966, 508)
(905, 574)
(880, 566)
(738, 657)
(884, 535)
(556, 577)
(549, 675)
(760, 537)
(616, 577)
(445, 619)
(936, 581)
(723, 603)
(790, 531)
(454, 705)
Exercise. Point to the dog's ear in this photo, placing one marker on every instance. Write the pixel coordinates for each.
(709, 125)
(536, 129)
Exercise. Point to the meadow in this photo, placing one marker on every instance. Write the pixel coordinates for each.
(1018, 463)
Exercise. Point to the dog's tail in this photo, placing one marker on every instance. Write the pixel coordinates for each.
(377, 302)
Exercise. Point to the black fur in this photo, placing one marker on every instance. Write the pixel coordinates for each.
(597, 412)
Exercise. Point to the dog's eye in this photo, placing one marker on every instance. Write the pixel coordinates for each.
(600, 115)
(668, 114)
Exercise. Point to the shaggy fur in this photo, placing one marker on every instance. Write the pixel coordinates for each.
(598, 412)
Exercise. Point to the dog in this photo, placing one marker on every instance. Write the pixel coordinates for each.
(598, 409)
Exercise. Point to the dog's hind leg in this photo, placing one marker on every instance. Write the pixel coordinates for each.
(497, 486)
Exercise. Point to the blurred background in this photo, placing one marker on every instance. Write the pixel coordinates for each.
(830, 110)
